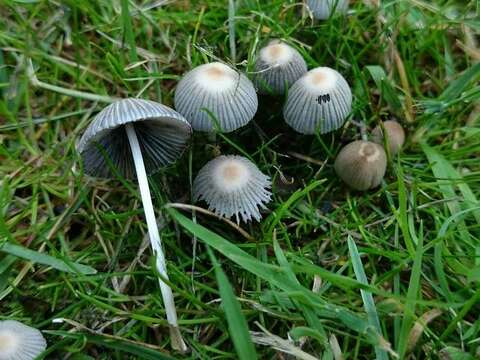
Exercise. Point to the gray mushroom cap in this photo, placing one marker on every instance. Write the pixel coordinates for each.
(321, 99)
(322, 9)
(277, 67)
(162, 132)
(216, 88)
(361, 164)
(19, 341)
(233, 185)
(395, 135)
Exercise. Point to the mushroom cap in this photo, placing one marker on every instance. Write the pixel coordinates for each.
(395, 135)
(321, 99)
(233, 185)
(162, 133)
(19, 341)
(322, 9)
(216, 88)
(361, 164)
(278, 66)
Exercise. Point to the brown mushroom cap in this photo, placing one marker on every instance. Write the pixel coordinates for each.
(361, 164)
(395, 135)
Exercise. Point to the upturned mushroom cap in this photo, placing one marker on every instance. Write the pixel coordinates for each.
(162, 132)
(277, 67)
(361, 164)
(233, 185)
(19, 341)
(321, 99)
(322, 9)
(217, 88)
(395, 136)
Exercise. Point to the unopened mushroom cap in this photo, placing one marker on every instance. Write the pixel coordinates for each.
(233, 185)
(216, 88)
(322, 9)
(361, 164)
(277, 67)
(395, 135)
(321, 99)
(162, 133)
(19, 341)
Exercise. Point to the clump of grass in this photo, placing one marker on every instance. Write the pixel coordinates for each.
(72, 248)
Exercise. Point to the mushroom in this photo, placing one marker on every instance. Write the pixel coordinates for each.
(233, 185)
(19, 341)
(215, 93)
(136, 137)
(323, 9)
(395, 136)
(361, 164)
(320, 100)
(277, 67)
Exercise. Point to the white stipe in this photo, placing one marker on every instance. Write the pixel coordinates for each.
(233, 185)
(323, 9)
(163, 134)
(320, 100)
(19, 341)
(213, 93)
(277, 67)
(167, 295)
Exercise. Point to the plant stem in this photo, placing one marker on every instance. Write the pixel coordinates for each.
(176, 337)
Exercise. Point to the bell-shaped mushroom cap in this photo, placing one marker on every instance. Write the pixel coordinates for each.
(277, 67)
(321, 99)
(233, 185)
(19, 341)
(395, 135)
(361, 164)
(162, 133)
(322, 9)
(216, 90)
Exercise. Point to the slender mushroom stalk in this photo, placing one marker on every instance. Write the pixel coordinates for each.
(155, 241)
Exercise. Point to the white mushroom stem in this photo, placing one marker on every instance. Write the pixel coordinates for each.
(176, 337)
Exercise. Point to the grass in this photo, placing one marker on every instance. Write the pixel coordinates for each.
(406, 283)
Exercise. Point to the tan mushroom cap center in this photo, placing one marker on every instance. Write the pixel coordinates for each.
(231, 172)
(318, 78)
(215, 72)
(7, 342)
(369, 151)
(276, 51)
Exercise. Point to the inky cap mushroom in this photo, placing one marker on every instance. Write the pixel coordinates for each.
(233, 185)
(277, 67)
(323, 9)
(361, 164)
(395, 136)
(19, 341)
(321, 99)
(228, 95)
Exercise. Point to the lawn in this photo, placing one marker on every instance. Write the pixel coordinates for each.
(328, 273)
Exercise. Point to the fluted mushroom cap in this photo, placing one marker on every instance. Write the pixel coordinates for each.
(277, 67)
(321, 99)
(162, 133)
(395, 135)
(361, 164)
(216, 88)
(322, 9)
(233, 185)
(19, 341)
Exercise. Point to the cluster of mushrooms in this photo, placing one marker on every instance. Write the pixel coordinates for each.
(134, 138)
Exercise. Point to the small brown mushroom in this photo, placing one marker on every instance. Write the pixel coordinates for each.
(395, 136)
(361, 164)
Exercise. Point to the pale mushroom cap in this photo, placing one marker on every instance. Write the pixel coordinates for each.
(395, 135)
(322, 9)
(321, 99)
(233, 185)
(19, 341)
(361, 164)
(217, 88)
(162, 132)
(277, 67)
